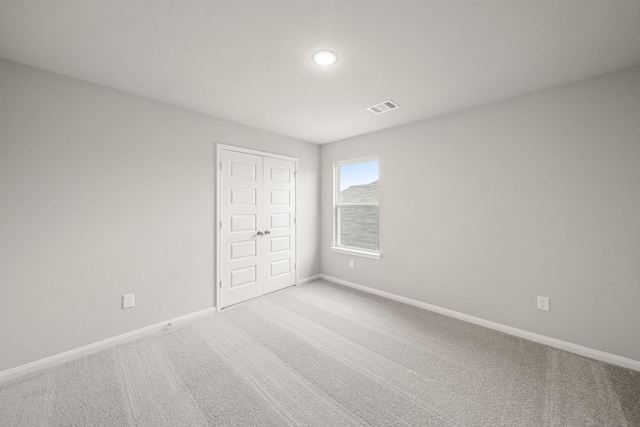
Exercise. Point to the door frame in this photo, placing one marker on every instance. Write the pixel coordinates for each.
(218, 219)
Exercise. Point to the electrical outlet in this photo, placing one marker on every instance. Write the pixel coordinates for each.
(128, 301)
(351, 263)
(543, 303)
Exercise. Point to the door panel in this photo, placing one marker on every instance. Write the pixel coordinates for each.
(280, 244)
(243, 170)
(243, 276)
(240, 223)
(280, 197)
(242, 250)
(241, 211)
(280, 202)
(242, 196)
(277, 174)
(281, 220)
(279, 268)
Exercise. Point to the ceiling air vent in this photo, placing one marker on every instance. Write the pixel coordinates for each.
(383, 107)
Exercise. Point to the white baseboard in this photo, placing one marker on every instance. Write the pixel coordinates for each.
(129, 336)
(86, 350)
(309, 279)
(552, 342)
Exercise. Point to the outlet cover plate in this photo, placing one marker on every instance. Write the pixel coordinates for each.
(543, 303)
(128, 301)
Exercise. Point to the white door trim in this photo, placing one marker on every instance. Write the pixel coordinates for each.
(219, 148)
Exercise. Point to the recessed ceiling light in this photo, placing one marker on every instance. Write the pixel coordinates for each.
(325, 57)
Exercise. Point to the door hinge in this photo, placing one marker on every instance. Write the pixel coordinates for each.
(294, 220)
(220, 165)
(295, 266)
(220, 224)
(220, 284)
(295, 174)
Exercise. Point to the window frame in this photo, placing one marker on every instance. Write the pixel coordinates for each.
(337, 247)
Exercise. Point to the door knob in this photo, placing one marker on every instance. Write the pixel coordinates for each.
(267, 232)
(260, 233)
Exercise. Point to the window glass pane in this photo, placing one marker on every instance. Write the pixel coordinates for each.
(358, 226)
(357, 205)
(359, 183)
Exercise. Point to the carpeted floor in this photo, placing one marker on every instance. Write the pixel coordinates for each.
(324, 355)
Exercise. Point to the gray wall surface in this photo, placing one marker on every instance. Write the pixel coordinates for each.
(484, 209)
(102, 194)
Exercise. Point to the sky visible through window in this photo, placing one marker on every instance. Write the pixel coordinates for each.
(358, 174)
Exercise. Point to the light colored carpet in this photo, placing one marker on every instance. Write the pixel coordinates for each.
(323, 355)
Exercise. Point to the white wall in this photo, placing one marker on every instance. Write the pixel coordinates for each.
(485, 209)
(103, 193)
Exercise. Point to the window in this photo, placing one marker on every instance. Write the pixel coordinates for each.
(356, 210)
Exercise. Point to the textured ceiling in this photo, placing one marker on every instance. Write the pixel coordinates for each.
(250, 61)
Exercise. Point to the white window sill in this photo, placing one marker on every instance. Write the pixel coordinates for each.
(356, 252)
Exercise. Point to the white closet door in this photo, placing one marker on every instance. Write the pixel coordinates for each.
(257, 234)
(280, 235)
(243, 215)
